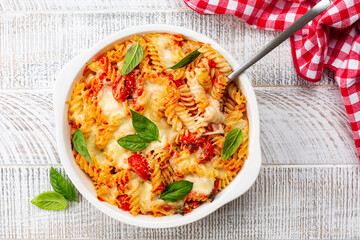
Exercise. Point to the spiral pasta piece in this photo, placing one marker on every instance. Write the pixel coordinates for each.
(134, 200)
(221, 64)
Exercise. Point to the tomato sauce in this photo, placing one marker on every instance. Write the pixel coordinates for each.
(139, 165)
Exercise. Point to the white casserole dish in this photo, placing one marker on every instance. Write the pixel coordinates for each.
(63, 87)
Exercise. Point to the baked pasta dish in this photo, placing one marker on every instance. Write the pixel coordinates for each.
(156, 126)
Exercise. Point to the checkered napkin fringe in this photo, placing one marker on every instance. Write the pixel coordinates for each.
(331, 40)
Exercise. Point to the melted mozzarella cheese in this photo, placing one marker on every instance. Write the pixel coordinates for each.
(109, 106)
(113, 192)
(213, 113)
(167, 57)
(242, 123)
(185, 160)
(222, 173)
(118, 154)
(95, 151)
(166, 135)
(125, 128)
(146, 196)
(195, 85)
(197, 89)
(107, 193)
(217, 129)
(201, 185)
(152, 91)
(202, 75)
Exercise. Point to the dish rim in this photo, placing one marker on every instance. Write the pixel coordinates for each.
(64, 85)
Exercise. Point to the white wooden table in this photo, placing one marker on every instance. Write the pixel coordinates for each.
(309, 184)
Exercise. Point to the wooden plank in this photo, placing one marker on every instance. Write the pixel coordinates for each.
(34, 45)
(308, 186)
(285, 202)
(304, 126)
(51, 5)
(298, 126)
(27, 128)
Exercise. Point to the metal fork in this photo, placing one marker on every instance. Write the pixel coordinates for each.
(310, 15)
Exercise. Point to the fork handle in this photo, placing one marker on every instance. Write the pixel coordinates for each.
(311, 14)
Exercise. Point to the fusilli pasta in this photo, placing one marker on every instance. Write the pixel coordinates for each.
(193, 107)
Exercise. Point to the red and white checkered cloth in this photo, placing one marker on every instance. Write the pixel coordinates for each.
(331, 40)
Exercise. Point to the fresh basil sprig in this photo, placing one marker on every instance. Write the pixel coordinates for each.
(50, 201)
(186, 60)
(132, 58)
(144, 127)
(80, 145)
(176, 191)
(133, 143)
(56, 200)
(60, 185)
(146, 130)
(232, 142)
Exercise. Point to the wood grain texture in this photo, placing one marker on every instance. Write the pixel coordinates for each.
(298, 126)
(309, 185)
(285, 202)
(27, 128)
(304, 126)
(34, 45)
(50, 5)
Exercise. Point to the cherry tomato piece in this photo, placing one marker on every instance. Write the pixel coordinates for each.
(190, 138)
(124, 87)
(212, 63)
(177, 82)
(207, 151)
(216, 186)
(159, 189)
(139, 165)
(124, 202)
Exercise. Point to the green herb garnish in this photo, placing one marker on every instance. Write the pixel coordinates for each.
(50, 201)
(144, 127)
(61, 185)
(176, 191)
(133, 143)
(132, 58)
(80, 145)
(56, 200)
(186, 60)
(232, 142)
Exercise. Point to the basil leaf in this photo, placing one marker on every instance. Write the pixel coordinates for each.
(176, 191)
(145, 128)
(232, 142)
(80, 145)
(50, 201)
(61, 185)
(186, 60)
(133, 143)
(132, 58)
